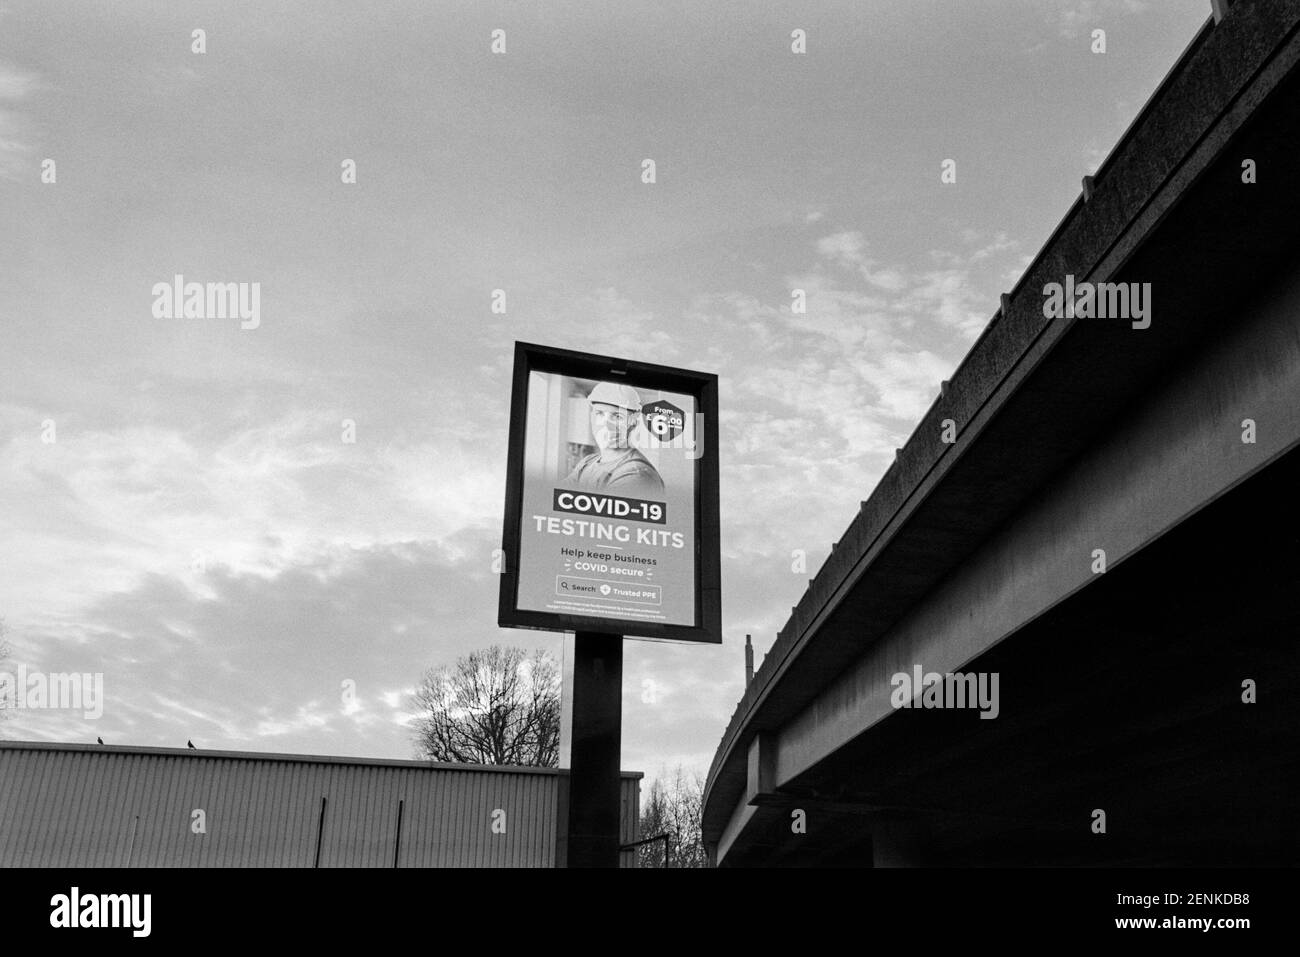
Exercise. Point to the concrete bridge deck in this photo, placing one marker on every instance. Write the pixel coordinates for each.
(1121, 690)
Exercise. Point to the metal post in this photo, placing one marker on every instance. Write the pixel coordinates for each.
(594, 782)
(130, 853)
(397, 842)
(320, 832)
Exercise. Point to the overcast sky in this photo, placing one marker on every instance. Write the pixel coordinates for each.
(198, 530)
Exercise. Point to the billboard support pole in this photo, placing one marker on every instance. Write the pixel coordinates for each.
(594, 774)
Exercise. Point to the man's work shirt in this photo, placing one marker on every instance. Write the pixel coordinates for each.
(629, 474)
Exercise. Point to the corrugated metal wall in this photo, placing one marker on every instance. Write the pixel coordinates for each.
(89, 806)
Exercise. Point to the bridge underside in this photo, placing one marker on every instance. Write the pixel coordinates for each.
(1125, 697)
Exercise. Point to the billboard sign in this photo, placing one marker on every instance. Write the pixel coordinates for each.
(611, 518)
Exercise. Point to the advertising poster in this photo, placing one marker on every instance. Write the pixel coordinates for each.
(608, 524)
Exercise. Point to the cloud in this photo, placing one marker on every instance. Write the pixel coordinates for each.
(16, 86)
(603, 321)
(102, 507)
(947, 296)
(671, 697)
(261, 662)
(849, 249)
(1075, 17)
(306, 717)
(823, 398)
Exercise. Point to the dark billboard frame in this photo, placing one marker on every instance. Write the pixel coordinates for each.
(703, 387)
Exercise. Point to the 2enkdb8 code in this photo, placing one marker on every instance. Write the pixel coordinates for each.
(1201, 899)
(1205, 900)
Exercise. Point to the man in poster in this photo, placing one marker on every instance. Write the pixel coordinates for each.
(618, 467)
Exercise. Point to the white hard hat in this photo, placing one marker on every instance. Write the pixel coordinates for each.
(614, 393)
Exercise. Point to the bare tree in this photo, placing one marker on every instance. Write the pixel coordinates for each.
(493, 706)
(674, 807)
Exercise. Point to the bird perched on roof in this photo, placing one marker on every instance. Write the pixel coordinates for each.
(191, 744)
(100, 740)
